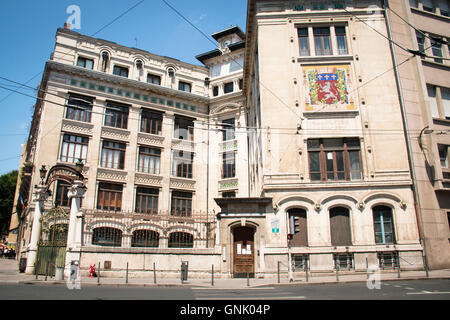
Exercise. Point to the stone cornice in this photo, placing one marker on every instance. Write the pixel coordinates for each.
(117, 80)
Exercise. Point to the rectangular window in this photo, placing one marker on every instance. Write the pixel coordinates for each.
(181, 204)
(341, 40)
(74, 148)
(116, 115)
(445, 94)
(85, 63)
(443, 6)
(215, 91)
(149, 160)
(182, 164)
(61, 199)
(433, 101)
(300, 262)
(413, 3)
(184, 128)
(228, 131)
(152, 78)
(120, 71)
(387, 260)
(113, 155)
(322, 41)
(443, 155)
(343, 261)
(334, 159)
(436, 48)
(303, 41)
(151, 122)
(109, 196)
(79, 108)
(229, 194)
(427, 5)
(146, 200)
(184, 86)
(228, 165)
(420, 43)
(228, 87)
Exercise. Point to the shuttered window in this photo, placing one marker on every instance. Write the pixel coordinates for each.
(298, 227)
(340, 227)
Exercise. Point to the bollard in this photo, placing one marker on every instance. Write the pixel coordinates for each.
(248, 278)
(425, 264)
(98, 274)
(337, 272)
(367, 268)
(154, 273)
(212, 275)
(307, 266)
(126, 276)
(278, 271)
(398, 267)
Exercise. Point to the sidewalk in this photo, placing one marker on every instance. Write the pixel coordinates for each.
(9, 274)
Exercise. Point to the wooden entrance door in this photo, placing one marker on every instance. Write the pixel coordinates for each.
(243, 252)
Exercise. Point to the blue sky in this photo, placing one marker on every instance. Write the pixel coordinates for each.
(27, 35)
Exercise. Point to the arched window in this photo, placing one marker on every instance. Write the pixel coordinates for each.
(106, 236)
(383, 225)
(181, 240)
(145, 238)
(139, 69)
(297, 227)
(340, 227)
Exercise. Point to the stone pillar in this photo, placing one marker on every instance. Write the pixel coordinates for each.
(40, 195)
(76, 192)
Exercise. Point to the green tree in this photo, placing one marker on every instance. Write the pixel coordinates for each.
(7, 189)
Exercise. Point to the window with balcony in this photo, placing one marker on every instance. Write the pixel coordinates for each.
(183, 128)
(85, 63)
(109, 196)
(73, 148)
(120, 71)
(79, 108)
(228, 129)
(228, 165)
(181, 204)
(182, 164)
(113, 155)
(151, 122)
(334, 159)
(146, 200)
(149, 160)
(116, 115)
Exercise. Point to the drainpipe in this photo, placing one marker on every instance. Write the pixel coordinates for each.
(417, 205)
(207, 82)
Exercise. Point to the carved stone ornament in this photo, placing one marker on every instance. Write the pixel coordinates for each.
(77, 190)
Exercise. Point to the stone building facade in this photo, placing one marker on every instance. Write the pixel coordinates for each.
(289, 147)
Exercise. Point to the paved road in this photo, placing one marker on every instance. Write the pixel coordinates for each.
(433, 289)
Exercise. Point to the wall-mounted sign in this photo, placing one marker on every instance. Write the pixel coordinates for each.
(275, 225)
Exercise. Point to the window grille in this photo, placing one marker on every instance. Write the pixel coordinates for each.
(145, 238)
(106, 236)
(300, 262)
(388, 260)
(343, 261)
(181, 240)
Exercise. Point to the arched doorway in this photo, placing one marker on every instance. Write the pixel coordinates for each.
(243, 251)
(340, 227)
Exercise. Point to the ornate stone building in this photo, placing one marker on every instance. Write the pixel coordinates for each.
(290, 146)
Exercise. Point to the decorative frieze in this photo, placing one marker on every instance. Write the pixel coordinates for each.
(111, 175)
(180, 183)
(77, 127)
(150, 139)
(114, 133)
(147, 179)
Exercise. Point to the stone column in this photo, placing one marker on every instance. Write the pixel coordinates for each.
(40, 195)
(76, 192)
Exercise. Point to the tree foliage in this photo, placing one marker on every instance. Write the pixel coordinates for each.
(7, 189)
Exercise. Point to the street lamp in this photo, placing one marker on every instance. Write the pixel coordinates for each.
(43, 173)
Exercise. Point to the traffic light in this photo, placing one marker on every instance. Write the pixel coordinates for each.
(289, 236)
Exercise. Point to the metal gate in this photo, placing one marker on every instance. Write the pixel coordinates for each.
(53, 243)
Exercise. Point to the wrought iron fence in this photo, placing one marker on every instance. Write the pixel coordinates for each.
(135, 230)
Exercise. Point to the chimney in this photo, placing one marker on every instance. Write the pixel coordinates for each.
(66, 25)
